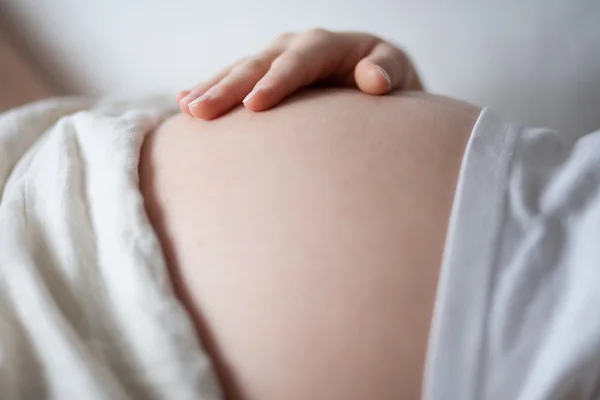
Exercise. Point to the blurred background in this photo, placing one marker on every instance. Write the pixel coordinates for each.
(538, 61)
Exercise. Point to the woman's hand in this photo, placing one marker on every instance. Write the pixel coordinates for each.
(293, 61)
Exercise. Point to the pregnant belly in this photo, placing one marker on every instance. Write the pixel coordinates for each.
(306, 241)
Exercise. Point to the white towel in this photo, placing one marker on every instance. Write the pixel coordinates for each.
(86, 305)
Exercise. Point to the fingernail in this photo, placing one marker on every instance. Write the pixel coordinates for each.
(200, 99)
(187, 98)
(387, 78)
(252, 93)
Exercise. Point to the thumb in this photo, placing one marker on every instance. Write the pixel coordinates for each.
(385, 69)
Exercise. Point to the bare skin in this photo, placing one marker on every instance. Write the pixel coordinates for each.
(306, 241)
(19, 80)
(292, 61)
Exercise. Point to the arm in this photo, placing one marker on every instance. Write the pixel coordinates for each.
(19, 81)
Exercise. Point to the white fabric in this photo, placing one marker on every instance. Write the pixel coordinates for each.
(536, 60)
(86, 306)
(516, 315)
(87, 310)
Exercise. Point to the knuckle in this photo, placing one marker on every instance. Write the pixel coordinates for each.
(278, 64)
(399, 59)
(236, 64)
(283, 37)
(375, 38)
(289, 60)
(254, 64)
(395, 50)
(318, 34)
(299, 64)
(293, 57)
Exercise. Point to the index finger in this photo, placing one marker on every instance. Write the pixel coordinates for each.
(312, 57)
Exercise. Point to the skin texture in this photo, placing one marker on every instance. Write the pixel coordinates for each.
(292, 61)
(306, 241)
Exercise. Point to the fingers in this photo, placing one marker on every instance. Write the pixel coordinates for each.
(342, 59)
(227, 89)
(213, 98)
(294, 61)
(230, 90)
(181, 95)
(184, 98)
(385, 69)
(309, 58)
(287, 73)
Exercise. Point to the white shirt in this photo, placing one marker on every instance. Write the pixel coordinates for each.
(517, 313)
(87, 310)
